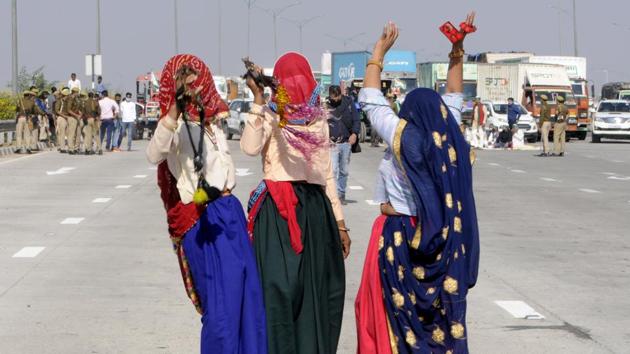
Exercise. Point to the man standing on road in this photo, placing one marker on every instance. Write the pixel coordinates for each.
(560, 128)
(513, 113)
(50, 111)
(61, 111)
(128, 110)
(544, 124)
(74, 108)
(74, 82)
(92, 112)
(100, 87)
(117, 139)
(25, 108)
(344, 126)
(109, 110)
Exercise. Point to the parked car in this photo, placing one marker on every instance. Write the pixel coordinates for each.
(496, 114)
(611, 120)
(235, 123)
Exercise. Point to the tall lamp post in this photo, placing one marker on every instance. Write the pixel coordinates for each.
(250, 4)
(175, 27)
(575, 40)
(300, 25)
(14, 47)
(274, 14)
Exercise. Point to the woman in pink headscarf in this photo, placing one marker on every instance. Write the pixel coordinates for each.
(295, 216)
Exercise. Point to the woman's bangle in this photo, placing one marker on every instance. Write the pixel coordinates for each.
(344, 229)
(375, 62)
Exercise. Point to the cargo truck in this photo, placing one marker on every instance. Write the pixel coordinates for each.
(526, 83)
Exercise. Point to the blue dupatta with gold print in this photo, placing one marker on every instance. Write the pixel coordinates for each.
(428, 267)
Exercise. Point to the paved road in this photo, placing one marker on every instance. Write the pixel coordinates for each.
(102, 277)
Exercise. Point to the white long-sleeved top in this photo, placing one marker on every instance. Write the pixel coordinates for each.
(173, 145)
(391, 185)
(128, 111)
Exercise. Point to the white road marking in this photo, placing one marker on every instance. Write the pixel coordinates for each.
(140, 176)
(123, 186)
(589, 156)
(586, 190)
(617, 178)
(371, 202)
(60, 171)
(548, 179)
(616, 161)
(101, 200)
(71, 221)
(153, 168)
(519, 309)
(28, 252)
(355, 188)
(493, 164)
(518, 171)
(242, 172)
(609, 173)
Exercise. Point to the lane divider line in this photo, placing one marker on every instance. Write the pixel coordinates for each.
(518, 171)
(549, 179)
(140, 176)
(355, 188)
(123, 186)
(242, 172)
(371, 202)
(587, 190)
(493, 164)
(28, 252)
(101, 200)
(71, 221)
(520, 309)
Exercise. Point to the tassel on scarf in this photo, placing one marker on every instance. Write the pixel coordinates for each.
(200, 197)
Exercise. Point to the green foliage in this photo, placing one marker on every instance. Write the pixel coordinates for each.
(7, 106)
(36, 78)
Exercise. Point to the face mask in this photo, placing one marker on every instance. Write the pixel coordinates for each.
(334, 103)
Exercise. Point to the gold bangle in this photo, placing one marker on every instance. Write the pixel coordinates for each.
(344, 229)
(456, 54)
(375, 62)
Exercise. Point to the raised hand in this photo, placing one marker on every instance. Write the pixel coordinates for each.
(470, 21)
(386, 40)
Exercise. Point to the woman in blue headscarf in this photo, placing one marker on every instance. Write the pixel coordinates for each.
(424, 251)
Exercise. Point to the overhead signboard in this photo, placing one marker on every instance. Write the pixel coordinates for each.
(403, 61)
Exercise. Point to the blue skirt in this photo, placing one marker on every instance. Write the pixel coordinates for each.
(225, 278)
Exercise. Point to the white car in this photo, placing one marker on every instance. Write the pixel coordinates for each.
(611, 120)
(496, 114)
(235, 123)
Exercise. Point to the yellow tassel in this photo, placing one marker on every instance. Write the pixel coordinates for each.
(200, 197)
(282, 99)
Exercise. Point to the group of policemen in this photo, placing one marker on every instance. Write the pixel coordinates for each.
(559, 124)
(69, 118)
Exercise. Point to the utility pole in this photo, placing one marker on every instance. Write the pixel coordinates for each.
(220, 42)
(98, 26)
(346, 40)
(300, 25)
(176, 27)
(575, 40)
(274, 14)
(250, 3)
(14, 46)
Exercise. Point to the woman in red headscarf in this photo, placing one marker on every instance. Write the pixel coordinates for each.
(295, 216)
(206, 223)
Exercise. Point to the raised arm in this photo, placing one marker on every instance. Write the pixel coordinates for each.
(455, 76)
(254, 137)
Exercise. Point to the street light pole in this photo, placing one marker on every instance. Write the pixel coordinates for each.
(575, 40)
(345, 40)
(250, 3)
(98, 26)
(274, 14)
(300, 25)
(14, 46)
(220, 42)
(176, 27)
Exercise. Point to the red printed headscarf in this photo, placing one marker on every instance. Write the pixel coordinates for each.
(212, 102)
(293, 71)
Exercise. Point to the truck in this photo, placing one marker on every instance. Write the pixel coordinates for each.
(526, 83)
(433, 75)
(616, 90)
(576, 71)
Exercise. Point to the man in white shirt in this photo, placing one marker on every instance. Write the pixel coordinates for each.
(74, 82)
(128, 110)
(109, 109)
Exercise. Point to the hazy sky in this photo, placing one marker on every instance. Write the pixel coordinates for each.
(138, 35)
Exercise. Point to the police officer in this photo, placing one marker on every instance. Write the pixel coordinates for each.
(62, 113)
(24, 110)
(544, 124)
(560, 128)
(91, 130)
(82, 122)
(74, 110)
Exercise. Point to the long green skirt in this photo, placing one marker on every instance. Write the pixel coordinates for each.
(303, 293)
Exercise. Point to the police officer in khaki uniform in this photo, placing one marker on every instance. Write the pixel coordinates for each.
(82, 122)
(61, 111)
(74, 110)
(91, 131)
(560, 128)
(544, 124)
(24, 110)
